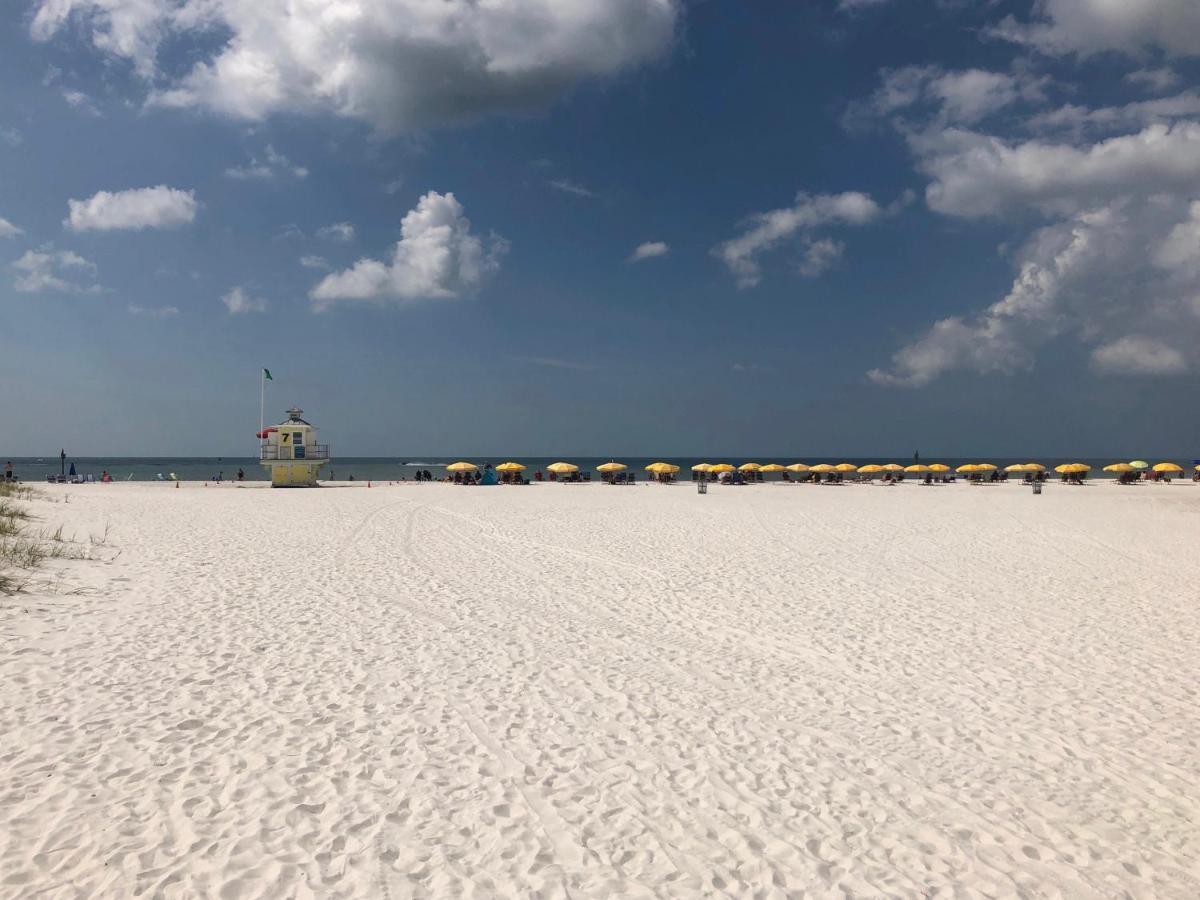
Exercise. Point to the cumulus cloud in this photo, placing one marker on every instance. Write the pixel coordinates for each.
(1086, 27)
(239, 301)
(1080, 121)
(1086, 276)
(152, 207)
(820, 256)
(338, 231)
(959, 96)
(80, 101)
(649, 250)
(273, 164)
(47, 269)
(976, 175)
(397, 64)
(314, 262)
(436, 258)
(8, 229)
(762, 232)
(1138, 355)
(1162, 79)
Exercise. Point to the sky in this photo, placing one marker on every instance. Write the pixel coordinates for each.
(602, 227)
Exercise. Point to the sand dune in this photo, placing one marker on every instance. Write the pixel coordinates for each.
(553, 691)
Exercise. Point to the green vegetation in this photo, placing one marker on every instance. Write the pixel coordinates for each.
(23, 549)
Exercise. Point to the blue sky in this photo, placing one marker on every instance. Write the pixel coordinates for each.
(602, 226)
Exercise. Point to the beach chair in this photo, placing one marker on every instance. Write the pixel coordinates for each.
(632, 479)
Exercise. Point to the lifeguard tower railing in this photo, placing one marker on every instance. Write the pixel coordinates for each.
(294, 451)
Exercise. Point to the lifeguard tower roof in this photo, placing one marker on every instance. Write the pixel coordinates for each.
(294, 417)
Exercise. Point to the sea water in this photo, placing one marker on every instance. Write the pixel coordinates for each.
(362, 468)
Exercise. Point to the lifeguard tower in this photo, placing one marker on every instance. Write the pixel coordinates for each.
(291, 452)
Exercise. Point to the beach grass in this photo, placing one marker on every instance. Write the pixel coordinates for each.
(22, 549)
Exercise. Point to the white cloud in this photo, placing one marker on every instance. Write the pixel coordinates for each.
(239, 302)
(1085, 27)
(820, 256)
(47, 269)
(393, 186)
(8, 229)
(80, 101)
(1138, 355)
(153, 207)
(570, 187)
(976, 175)
(314, 262)
(437, 257)
(1088, 276)
(10, 136)
(763, 231)
(338, 231)
(154, 312)
(1077, 120)
(272, 165)
(964, 96)
(1154, 79)
(398, 64)
(649, 250)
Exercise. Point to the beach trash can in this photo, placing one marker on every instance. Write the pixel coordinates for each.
(1037, 487)
(701, 487)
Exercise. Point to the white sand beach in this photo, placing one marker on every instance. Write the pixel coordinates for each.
(595, 692)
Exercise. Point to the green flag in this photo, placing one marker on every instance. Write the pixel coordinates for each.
(267, 374)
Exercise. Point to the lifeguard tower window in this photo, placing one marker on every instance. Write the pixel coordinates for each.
(298, 451)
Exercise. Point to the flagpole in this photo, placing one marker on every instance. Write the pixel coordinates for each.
(262, 401)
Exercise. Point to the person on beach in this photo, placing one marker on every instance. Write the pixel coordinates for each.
(241, 476)
(105, 478)
(8, 475)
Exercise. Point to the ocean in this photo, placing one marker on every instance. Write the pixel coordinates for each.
(203, 468)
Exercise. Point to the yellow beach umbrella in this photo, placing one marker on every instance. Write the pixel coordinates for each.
(823, 468)
(1018, 467)
(872, 469)
(798, 467)
(750, 467)
(461, 467)
(721, 467)
(562, 468)
(662, 468)
(917, 467)
(1139, 464)
(702, 467)
(1167, 467)
(610, 467)
(510, 467)
(1072, 469)
(771, 467)
(969, 467)
(892, 467)
(939, 467)
(984, 467)
(1119, 467)
(846, 467)
(1035, 467)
